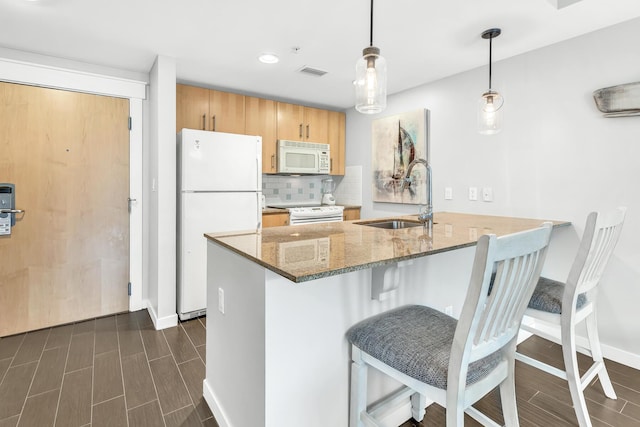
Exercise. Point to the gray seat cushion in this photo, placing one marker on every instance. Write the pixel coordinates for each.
(416, 340)
(548, 296)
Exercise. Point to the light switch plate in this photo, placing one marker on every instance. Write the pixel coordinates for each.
(487, 194)
(448, 193)
(473, 193)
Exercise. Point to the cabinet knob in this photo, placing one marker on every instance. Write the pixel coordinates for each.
(300, 130)
(204, 122)
(307, 131)
(213, 122)
(273, 158)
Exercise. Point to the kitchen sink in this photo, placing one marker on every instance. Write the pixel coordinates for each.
(391, 224)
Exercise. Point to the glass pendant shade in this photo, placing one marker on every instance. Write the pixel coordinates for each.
(490, 113)
(371, 82)
(490, 104)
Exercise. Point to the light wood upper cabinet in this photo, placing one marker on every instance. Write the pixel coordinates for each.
(213, 110)
(299, 123)
(337, 135)
(207, 109)
(192, 107)
(290, 121)
(260, 119)
(226, 112)
(316, 125)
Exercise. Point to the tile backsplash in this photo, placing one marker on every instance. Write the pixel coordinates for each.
(281, 189)
(292, 189)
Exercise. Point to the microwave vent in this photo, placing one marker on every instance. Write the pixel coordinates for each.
(312, 71)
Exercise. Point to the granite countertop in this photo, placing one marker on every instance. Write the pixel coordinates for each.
(306, 252)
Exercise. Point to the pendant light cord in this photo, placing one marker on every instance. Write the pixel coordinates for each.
(490, 49)
(371, 26)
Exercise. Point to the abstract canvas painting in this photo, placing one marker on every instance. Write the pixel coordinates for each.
(397, 141)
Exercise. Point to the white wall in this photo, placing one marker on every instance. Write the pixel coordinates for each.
(161, 187)
(557, 157)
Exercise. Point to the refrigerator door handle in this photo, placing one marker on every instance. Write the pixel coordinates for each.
(259, 210)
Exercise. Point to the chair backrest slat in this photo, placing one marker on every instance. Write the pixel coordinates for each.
(601, 235)
(494, 308)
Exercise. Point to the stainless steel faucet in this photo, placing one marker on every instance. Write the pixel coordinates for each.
(425, 216)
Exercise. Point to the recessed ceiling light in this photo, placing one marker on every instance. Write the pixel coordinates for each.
(268, 58)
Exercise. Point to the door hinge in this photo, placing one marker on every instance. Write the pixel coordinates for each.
(129, 288)
(129, 123)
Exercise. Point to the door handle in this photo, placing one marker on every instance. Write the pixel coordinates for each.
(11, 211)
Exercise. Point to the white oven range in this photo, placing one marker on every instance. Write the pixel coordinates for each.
(312, 214)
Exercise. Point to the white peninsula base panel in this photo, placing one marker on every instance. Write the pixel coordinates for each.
(276, 352)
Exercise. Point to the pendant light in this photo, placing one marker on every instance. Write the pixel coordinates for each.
(490, 104)
(371, 78)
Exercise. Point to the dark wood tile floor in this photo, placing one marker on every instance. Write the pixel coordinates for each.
(119, 371)
(113, 371)
(544, 400)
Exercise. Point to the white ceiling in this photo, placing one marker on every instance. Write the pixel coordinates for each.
(216, 43)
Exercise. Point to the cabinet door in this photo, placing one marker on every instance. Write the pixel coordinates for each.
(260, 119)
(337, 130)
(226, 112)
(351, 214)
(316, 125)
(275, 220)
(290, 121)
(192, 107)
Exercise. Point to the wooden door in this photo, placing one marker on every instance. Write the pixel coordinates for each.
(67, 258)
(316, 128)
(260, 119)
(192, 108)
(290, 121)
(226, 111)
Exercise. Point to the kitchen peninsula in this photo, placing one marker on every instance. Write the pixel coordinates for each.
(280, 300)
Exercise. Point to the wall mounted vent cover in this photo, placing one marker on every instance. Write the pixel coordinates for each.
(619, 101)
(312, 71)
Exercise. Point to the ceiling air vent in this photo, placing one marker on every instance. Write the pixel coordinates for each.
(312, 71)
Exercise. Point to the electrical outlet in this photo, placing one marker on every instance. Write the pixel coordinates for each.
(473, 234)
(221, 300)
(473, 193)
(448, 193)
(487, 194)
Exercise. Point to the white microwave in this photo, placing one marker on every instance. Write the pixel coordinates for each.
(296, 157)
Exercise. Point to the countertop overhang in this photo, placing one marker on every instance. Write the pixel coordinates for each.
(307, 252)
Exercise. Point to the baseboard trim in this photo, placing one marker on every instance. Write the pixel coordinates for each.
(161, 322)
(609, 352)
(218, 413)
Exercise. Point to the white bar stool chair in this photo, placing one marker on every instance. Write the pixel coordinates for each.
(556, 308)
(453, 362)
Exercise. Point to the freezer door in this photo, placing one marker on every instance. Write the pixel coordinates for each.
(202, 213)
(217, 161)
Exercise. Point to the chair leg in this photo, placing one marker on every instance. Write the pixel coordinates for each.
(358, 399)
(573, 376)
(418, 406)
(508, 396)
(596, 354)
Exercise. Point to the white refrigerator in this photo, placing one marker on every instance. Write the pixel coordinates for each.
(219, 190)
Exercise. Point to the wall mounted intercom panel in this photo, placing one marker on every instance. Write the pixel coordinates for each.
(8, 209)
